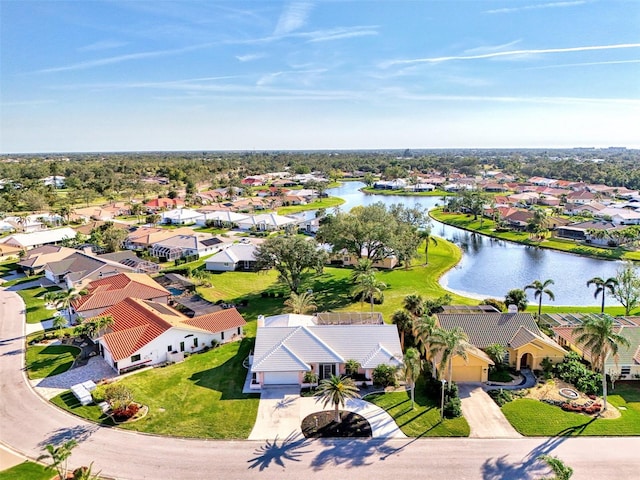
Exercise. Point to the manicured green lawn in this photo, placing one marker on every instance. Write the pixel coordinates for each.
(27, 471)
(326, 203)
(200, 397)
(36, 310)
(534, 418)
(424, 419)
(48, 360)
(7, 266)
(435, 193)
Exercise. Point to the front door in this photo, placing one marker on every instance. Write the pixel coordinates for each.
(326, 370)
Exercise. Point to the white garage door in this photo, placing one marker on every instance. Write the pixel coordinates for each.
(280, 378)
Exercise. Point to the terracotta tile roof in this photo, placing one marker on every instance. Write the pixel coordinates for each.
(217, 321)
(111, 290)
(136, 323)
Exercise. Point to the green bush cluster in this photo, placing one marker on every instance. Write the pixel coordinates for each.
(501, 396)
(573, 371)
(385, 376)
(452, 405)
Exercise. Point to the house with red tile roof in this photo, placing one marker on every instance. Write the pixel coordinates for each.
(106, 292)
(147, 333)
(163, 204)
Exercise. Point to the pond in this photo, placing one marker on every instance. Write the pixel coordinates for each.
(490, 267)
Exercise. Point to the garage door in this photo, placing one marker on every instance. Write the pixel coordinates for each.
(280, 378)
(467, 374)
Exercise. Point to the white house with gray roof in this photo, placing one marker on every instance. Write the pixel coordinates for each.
(238, 256)
(288, 346)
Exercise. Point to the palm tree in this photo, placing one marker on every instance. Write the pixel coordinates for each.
(369, 287)
(302, 303)
(412, 368)
(351, 367)
(402, 319)
(59, 322)
(428, 238)
(414, 305)
(602, 286)
(423, 332)
(364, 267)
(336, 390)
(597, 334)
(539, 288)
(449, 343)
(557, 466)
(496, 353)
(66, 299)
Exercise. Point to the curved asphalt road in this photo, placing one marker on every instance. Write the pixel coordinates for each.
(27, 423)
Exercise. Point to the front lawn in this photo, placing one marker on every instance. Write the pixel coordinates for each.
(48, 360)
(329, 202)
(27, 471)
(535, 418)
(200, 397)
(424, 420)
(33, 300)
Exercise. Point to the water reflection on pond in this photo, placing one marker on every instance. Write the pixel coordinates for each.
(490, 267)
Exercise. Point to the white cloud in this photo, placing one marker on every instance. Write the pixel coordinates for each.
(122, 58)
(250, 57)
(510, 53)
(537, 6)
(102, 45)
(294, 17)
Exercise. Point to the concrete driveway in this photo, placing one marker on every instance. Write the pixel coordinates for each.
(282, 410)
(483, 415)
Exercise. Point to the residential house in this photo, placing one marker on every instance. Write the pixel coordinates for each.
(55, 181)
(266, 222)
(104, 213)
(220, 218)
(180, 246)
(27, 241)
(159, 204)
(181, 216)
(106, 292)
(34, 260)
(591, 208)
(9, 251)
(253, 181)
(587, 231)
(148, 333)
(235, 257)
(620, 216)
(289, 346)
(519, 219)
(580, 197)
(625, 366)
(526, 345)
(80, 268)
(143, 238)
(130, 259)
(348, 259)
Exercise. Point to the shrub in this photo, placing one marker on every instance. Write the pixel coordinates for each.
(573, 371)
(98, 394)
(501, 396)
(310, 377)
(385, 376)
(118, 396)
(452, 408)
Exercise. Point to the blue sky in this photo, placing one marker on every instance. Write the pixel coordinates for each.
(218, 75)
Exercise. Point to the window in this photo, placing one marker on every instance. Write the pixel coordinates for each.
(182, 346)
(195, 342)
(135, 358)
(169, 348)
(625, 371)
(239, 330)
(221, 335)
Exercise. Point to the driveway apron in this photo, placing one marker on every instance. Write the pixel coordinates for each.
(485, 418)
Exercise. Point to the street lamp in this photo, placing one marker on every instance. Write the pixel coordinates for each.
(444, 382)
